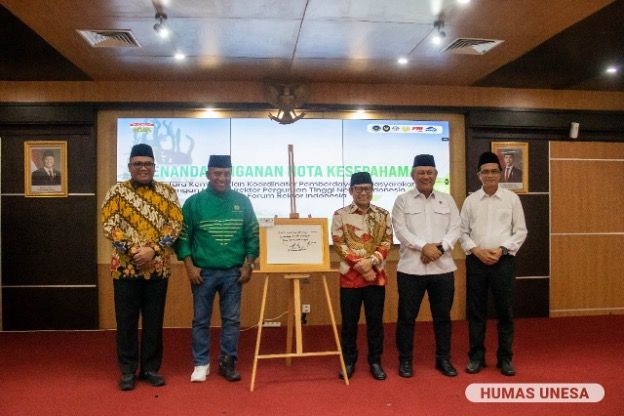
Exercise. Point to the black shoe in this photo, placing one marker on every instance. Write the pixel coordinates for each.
(405, 368)
(475, 366)
(126, 382)
(227, 369)
(507, 369)
(350, 370)
(446, 368)
(153, 378)
(377, 371)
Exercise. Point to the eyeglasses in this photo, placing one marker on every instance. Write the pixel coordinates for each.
(363, 189)
(425, 172)
(139, 165)
(490, 172)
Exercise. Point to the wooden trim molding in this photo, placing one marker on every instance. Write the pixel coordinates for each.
(320, 93)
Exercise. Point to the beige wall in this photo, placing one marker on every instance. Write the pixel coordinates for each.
(179, 300)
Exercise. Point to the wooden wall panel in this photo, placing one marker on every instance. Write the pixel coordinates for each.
(586, 275)
(585, 193)
(586, 150)
(54, 308)
(320, 93)
(48, 244)
(179, 310)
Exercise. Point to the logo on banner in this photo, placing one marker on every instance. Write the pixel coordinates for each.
(404, 128)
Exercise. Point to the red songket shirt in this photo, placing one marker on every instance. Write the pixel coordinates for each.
(359, 234)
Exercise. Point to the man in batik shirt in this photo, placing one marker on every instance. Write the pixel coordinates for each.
(143, 218)
(362, 235)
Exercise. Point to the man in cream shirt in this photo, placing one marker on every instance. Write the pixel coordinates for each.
(492, 231)
(426, 222)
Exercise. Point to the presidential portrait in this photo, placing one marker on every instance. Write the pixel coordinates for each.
(45, 168)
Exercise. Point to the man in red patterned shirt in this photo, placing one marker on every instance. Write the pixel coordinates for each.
(362, 235)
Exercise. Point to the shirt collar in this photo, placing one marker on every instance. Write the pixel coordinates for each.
(353, 208)
(497, 194)
(418, 194)
(136, 185)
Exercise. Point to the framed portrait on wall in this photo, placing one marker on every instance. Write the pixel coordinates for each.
(45, 168)
(514, 161)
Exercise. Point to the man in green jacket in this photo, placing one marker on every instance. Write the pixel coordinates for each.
(219, 244)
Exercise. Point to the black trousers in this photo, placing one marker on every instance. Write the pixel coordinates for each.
(499, 278)
(412, 288)
(351, 300)
(134, 298)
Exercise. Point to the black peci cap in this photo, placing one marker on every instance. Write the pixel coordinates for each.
(220, 161)
(141, 149)
(360, 177)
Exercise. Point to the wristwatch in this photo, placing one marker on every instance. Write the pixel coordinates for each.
(441, 248)
(504, 250)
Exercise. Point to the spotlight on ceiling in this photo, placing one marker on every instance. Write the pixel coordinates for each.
(439, 34)
(402, 61)
(160, 27)
(611, 70)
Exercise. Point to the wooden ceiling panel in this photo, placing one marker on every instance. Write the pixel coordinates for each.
(323, 40)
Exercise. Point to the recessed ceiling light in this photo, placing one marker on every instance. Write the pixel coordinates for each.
(463, 1)
(402, 60)
(179, 56)
(611, 70)
(436, 39)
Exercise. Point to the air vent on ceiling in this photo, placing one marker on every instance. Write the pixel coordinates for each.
(472, 46)
(110, 38)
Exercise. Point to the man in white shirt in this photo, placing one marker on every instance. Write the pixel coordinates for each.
(426, 222)
(492, 231)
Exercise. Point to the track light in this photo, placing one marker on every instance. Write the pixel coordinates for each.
(439, 34)
(160, 27)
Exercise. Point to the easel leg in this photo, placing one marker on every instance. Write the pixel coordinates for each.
(259, 336)
(335, 329)
(297, 306)
(290, 321)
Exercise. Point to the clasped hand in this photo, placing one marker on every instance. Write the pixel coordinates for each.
(143, 256)
(365, 268)
(430, 252)
(488, 256)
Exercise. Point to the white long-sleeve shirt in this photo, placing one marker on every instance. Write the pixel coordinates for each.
(417, 221)
(493, 221)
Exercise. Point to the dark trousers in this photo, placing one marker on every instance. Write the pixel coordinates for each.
(440, 288)
(499, 278)
(134, 298)
(351, 300)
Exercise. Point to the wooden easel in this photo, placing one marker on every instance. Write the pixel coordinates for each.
(295, 273)
(294, 315)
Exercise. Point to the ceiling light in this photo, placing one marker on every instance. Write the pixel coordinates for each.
(402, 60)
(160, 27)
(179, 56)
(439, 34)
(611, 70)
(463, 1)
